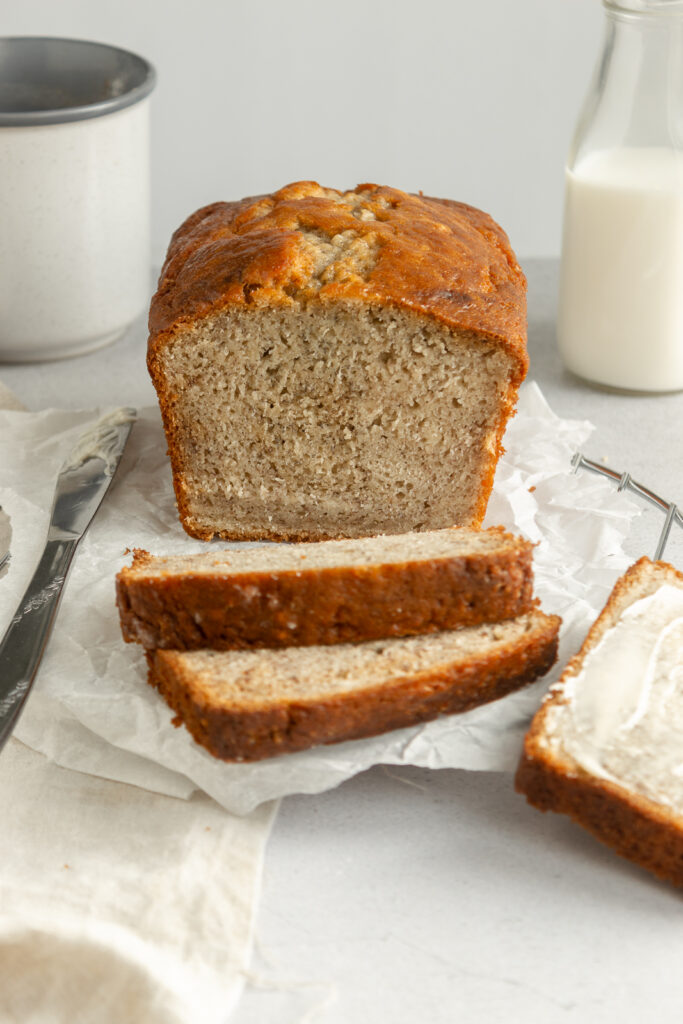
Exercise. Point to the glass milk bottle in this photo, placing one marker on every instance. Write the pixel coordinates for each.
(620, 316)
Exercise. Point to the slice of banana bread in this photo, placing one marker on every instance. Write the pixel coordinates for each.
(248, 705)
(606, 746)
(325, 593)
(336, 364)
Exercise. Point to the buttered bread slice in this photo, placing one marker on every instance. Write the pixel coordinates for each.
(606, 747)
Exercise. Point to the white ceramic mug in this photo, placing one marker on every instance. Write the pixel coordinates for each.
(74, 195)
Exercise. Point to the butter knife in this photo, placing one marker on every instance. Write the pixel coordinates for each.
(5, 537)
(82, 483)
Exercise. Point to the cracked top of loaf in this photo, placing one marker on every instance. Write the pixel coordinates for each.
(377, 245)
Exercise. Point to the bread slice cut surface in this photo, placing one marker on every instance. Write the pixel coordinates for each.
(327, 592)
(246, 705)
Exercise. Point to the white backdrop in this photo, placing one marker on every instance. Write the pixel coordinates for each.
(471, 99)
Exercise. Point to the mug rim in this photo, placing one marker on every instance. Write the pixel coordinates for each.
(139, 89)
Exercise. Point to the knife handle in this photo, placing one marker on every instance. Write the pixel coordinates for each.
(23, 644)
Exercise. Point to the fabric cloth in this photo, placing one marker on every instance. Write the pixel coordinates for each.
(118, 904)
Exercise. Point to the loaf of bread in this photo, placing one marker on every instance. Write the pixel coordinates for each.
(248, 705)
(336, 364)
(606, 747)
(324, 593)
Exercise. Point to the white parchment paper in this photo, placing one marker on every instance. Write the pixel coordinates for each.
(91, 708)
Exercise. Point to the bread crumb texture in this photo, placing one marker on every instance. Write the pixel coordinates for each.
(248, 679)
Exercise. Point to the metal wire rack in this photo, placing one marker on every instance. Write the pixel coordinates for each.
(624, 481)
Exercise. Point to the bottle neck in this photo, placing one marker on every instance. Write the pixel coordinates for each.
(645, 8)
(636, 98)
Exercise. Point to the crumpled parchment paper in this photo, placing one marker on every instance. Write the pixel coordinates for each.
(91, 708)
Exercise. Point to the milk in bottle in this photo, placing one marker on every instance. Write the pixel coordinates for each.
(620, 313)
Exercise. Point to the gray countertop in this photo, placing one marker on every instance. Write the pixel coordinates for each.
(414, 896)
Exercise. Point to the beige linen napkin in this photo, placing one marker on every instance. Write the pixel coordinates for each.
(119, 904)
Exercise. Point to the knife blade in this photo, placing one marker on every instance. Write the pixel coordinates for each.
(83, 481)
(5, 538)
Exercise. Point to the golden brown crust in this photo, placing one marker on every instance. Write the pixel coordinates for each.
(436, 257)
(237, 735)
(632, 825)
(186, 611)
(635, 829)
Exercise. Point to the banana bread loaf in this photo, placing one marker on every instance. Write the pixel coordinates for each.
(336, 364)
